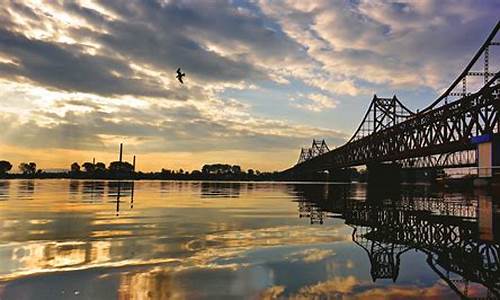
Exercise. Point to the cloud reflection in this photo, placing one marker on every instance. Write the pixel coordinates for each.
(177, 244)
(311, 255)
(210, 251)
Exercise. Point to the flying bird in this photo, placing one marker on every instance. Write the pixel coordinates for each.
(180, 75)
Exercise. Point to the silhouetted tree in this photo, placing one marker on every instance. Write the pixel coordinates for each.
(89, 167)
(121, 167)
(100, 167)
(75, 167)
(28, 168)
(166, 172)
(5, 166)
(205, 169)
(250, 172)
(236, 169)
(196, 174)
(221, 169)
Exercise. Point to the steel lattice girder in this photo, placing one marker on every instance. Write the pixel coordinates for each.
(442, 130)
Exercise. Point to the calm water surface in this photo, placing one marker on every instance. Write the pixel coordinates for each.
(68, 239)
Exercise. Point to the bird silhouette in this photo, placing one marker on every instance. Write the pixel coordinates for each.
(180, 75)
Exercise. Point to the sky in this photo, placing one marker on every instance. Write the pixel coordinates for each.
(263, 77)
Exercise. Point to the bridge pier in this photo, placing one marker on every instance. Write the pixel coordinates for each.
(302, 176)
(308, 176)
(488, 159)
(384, 181)
(340, 175)
(488, 154)
(384, 174)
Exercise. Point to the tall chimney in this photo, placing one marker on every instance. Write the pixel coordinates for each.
(93, 161)
(133, 164)
(121, 151)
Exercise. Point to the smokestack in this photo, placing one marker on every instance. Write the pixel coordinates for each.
(133, 164)
(121, 151)
(93, 161)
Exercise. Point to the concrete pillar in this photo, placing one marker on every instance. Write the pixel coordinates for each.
(484, 151)
(488, 154)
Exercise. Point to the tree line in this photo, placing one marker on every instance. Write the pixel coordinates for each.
(125, 170)
(28, 168)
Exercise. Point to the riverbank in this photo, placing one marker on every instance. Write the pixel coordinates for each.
(148, 176)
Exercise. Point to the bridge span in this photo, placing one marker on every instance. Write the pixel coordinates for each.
(459, 129)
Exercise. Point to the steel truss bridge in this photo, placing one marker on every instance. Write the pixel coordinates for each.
(436, 136)
(445, 229)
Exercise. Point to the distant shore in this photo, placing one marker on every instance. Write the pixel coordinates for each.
(146, 176)
(121, 170)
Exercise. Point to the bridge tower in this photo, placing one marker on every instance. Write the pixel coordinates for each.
(318, 147)
(382, 113)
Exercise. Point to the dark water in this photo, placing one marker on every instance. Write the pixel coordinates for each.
(63, 239)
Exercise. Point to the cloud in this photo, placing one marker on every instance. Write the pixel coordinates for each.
(149, 35)
(317, 102)
(158, 128)
(84, 74)
(403, 44)
(338, 87)
(396, 43)
(52, 65)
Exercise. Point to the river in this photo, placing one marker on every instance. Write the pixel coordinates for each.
(77, 239)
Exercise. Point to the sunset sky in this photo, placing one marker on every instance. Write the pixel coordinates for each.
(263, 78)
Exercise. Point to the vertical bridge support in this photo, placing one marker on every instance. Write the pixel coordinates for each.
(384, 181)
(488, 154)
(340, 175)
(383, 174)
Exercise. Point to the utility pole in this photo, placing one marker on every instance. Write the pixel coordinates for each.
(121, 151)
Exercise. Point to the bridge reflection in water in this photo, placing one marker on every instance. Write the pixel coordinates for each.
(459, 234)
